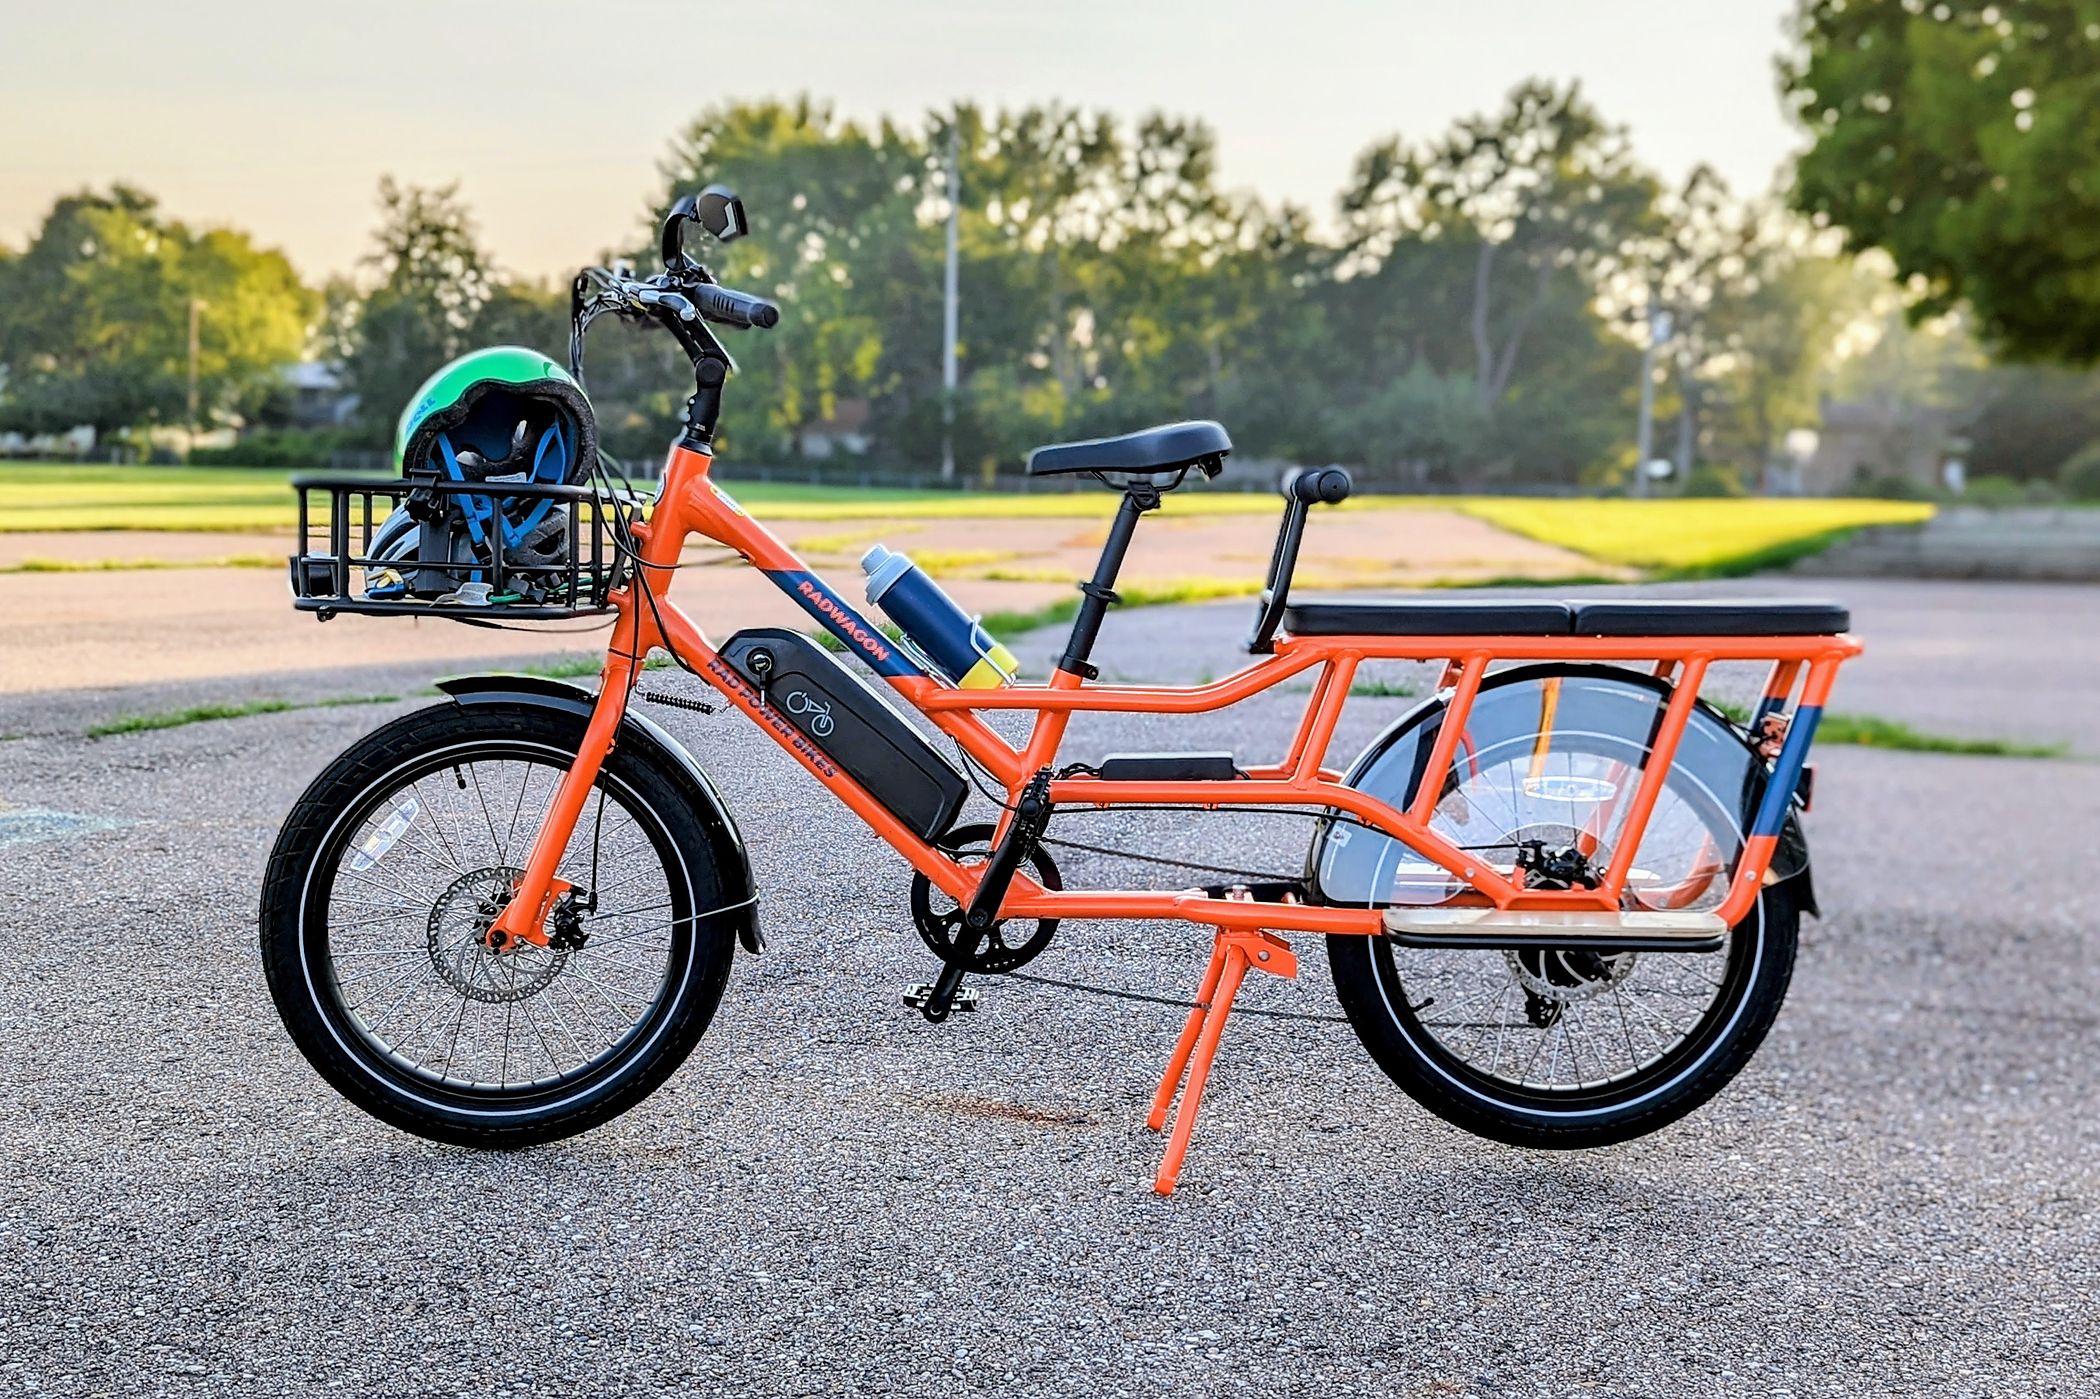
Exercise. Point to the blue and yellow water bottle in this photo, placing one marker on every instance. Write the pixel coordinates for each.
(962, 651)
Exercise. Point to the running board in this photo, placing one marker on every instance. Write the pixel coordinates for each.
(1520, 929)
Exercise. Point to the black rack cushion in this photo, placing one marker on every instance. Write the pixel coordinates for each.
(1679, 617)
(1446, 617)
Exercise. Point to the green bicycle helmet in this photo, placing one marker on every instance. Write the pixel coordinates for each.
(501, 411)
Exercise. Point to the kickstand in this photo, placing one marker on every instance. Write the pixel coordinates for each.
(1233, 955)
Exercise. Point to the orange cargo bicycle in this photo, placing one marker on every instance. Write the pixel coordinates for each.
(1560, 898)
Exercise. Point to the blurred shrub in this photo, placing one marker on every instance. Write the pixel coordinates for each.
(1877, 485)
(2080, 477)
(1994, 491)
(1711, 482)
(304, 447)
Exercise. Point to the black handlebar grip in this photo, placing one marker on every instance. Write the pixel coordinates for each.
(1316, 485)
(735, 308)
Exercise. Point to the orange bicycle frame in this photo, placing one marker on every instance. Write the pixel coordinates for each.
(690, 503)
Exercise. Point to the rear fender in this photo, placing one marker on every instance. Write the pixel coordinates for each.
(646, 738)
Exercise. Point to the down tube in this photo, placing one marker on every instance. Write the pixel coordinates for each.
(945, 874)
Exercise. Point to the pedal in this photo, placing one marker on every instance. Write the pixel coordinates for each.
(919, 995)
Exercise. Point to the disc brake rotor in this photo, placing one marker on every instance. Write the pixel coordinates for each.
(459, 924)
(939, 918)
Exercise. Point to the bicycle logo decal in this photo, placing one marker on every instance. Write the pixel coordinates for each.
(817, 711)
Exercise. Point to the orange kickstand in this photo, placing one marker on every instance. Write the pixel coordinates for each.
(1233, 955)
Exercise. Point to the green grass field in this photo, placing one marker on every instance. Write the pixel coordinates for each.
(1667, 538)
(1692, 538)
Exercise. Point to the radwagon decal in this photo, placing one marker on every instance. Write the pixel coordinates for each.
(842, 621)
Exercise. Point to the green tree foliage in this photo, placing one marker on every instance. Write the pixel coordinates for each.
(1959, 137)
(1472, 317)
(95, 314)
(2081, 474)
(1479, 253)
(835, 239)
(431, 280)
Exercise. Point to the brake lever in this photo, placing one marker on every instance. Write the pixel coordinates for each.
(672, 301)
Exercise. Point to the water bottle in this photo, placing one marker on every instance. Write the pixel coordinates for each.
(963, 652)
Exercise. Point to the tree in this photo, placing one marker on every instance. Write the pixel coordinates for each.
(1542, 189)
(1479, 255)
(1958, 136)
(432, 280)
(95, 316)
(835, 239)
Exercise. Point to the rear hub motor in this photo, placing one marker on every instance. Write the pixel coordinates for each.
(1550, 856)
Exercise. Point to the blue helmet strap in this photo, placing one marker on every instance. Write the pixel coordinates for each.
(551, 460)
(476, 509)
(550, 466)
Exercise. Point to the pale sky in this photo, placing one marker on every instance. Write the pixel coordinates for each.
(279, 116)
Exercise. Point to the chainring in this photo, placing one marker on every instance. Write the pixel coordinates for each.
(941, 929)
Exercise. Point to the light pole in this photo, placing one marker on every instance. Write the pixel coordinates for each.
(196, 321)
(1659, 327)
(950, 301)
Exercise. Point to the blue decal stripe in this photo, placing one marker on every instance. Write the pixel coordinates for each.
(1786, 773)
(862, 637)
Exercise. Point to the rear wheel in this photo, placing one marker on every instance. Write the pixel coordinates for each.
(386, 876)
(1570, 1047)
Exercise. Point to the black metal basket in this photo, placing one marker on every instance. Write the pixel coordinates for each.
(341, 515)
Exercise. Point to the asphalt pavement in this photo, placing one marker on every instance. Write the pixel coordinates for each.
(1897, 1197)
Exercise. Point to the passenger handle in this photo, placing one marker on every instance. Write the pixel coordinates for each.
(1302, 489)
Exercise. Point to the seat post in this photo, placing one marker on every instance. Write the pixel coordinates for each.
(1099, 593)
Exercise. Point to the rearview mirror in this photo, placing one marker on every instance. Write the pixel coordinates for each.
(721, 213)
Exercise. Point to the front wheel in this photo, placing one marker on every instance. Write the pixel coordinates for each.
(387, 874)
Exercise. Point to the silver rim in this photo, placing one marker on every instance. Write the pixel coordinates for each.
(1561, 1022)
(427, 861)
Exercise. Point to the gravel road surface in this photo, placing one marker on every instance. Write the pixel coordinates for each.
(1898, 1196)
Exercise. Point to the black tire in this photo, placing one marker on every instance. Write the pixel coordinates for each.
(1760, 964)
(305, 982)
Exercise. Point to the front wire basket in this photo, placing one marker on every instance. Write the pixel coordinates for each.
(340, 516)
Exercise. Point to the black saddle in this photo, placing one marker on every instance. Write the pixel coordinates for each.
(1169, 447)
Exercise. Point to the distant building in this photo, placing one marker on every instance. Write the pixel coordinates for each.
(845, 432)
(1881, 438)
(318, 398)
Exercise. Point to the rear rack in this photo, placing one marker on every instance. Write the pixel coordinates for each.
(341, 514)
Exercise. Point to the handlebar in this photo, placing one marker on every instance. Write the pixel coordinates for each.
(1304, 488)
(737, 308)
(678, 299)
(684, 295)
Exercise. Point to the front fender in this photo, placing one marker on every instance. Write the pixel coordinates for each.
(644, 736)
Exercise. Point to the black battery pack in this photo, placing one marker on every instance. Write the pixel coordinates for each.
(851, 723)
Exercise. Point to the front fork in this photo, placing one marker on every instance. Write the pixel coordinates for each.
(526, 917)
